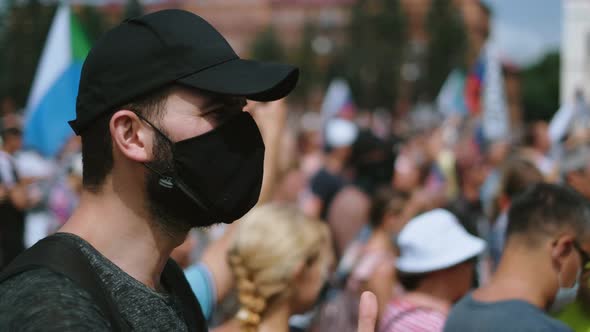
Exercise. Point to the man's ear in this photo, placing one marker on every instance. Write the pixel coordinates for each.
(130, 136)
(562, 247)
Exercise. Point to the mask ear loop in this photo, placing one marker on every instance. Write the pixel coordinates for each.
(169, 182)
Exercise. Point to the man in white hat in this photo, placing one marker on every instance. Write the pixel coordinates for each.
(435, 266)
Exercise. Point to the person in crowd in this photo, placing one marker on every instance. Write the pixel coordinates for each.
(166, 147)
(280, 260)
(467, 206)
(548, 240)
(517, 176)
(373, 247)
(65, 194)
(435, 267)
(575, 170)
(339, 137)
(40, 173)
(577, 314)
(160, 156)
(371, 165)
(495, 155)
(537, 146)
(13, 198)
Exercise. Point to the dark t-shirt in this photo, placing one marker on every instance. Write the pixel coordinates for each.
(326, 185)
(505, 316)
(12, 220)
(41, 300)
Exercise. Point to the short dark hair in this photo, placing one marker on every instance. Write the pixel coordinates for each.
(385, 201)
(97, 146)
(545, 209)
(519, 174)
(410, 281)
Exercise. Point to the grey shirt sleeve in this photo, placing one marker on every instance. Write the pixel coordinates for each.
(42, 300)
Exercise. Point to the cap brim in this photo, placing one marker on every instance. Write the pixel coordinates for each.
(254, 80)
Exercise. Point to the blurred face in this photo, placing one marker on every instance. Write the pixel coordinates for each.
(13, 143)
(311, 280)
(542, 140)
(393, 223)
(498, 152)
(406, 175)
(342, 153)
(462, 279)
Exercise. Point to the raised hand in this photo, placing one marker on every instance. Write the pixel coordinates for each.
(367, 313)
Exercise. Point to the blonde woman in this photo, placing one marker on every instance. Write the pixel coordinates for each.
(280, 260)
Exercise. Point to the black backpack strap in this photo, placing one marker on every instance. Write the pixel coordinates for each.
(176, 284)
(61, 257)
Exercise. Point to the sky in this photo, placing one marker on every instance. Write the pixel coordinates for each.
(524, 30)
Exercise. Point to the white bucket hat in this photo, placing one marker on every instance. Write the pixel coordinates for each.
(435, 241)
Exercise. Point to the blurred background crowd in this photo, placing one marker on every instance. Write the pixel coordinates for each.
(442, 109)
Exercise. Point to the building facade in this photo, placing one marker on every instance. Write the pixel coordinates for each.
(575, 49)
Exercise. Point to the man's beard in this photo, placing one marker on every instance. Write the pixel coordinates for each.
(171, 209)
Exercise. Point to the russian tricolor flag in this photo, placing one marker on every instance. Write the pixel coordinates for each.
(52, 100)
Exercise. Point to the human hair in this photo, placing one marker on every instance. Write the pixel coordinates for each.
(386, 201)
(518, 174)
(409, 281)
(271, 241)
(546, 209)
(97, 146)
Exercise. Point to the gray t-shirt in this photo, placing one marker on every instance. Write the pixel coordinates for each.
(42, 300)
(505, 316)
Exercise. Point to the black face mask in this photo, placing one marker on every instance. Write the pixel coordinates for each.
(215, 177)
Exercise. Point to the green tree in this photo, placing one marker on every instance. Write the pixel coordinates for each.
(93, 22)
(540, 88)
(306, 60)
(446, 47)
(267, 47)
(21, 45)
(133, 9)
(372, 60)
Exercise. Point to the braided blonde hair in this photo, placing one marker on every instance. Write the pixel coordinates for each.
(270, 243)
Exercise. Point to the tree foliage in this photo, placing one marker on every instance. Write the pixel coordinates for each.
(21, 45)
(133, 9)
(23, 33)
(267, 47)
(372, 60)
(306, 59)
(446, 46)
(540, 88)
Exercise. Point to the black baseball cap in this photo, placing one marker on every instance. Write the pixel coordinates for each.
(170, 46)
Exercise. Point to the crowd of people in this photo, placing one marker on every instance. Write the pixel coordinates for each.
(449, 229)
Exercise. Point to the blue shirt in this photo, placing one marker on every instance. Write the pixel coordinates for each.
(201, 281)
(505, 316)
